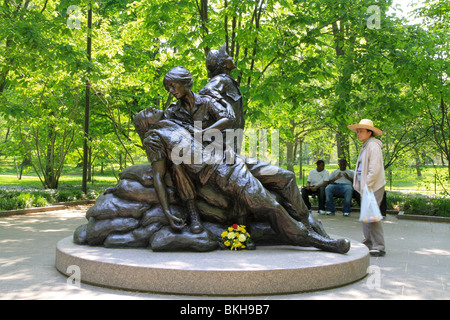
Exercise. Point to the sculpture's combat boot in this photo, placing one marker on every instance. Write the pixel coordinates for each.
(196, 223)
(331, 245)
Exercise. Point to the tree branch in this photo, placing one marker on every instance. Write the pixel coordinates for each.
(45, 6)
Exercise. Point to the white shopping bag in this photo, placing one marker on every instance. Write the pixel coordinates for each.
(370, 212)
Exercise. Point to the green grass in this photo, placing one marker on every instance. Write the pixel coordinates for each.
(404, 178)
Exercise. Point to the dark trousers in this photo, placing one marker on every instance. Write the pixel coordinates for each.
(320, 193)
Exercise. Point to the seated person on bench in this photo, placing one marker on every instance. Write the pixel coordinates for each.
(316, 183)
(341, 186)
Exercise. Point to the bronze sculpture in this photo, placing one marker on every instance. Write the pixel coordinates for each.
(149, 203)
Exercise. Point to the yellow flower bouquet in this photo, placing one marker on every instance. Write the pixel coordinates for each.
(236, 237)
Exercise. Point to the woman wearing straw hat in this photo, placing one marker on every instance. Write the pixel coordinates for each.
(369, 171)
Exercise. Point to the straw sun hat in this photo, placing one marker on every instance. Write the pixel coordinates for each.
(366, 124)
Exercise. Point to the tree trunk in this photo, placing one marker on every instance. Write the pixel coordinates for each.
(417, 159)
(343, 146)
(290, 148)
(300, 160)
(203, 12)
(86, 163)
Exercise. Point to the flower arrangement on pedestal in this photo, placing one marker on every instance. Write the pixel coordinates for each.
(235, 237)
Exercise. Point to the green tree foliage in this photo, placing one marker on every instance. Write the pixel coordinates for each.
(307, 68)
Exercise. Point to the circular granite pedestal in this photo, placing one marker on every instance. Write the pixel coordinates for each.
(264, 271)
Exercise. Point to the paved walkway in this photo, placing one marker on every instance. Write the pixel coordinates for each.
(417, 264)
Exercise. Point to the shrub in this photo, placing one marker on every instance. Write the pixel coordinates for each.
(7, 204)
(40, 201)
(70, 194)
(64, 195)
(419, 204)
(25, 200)
(21, 198)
